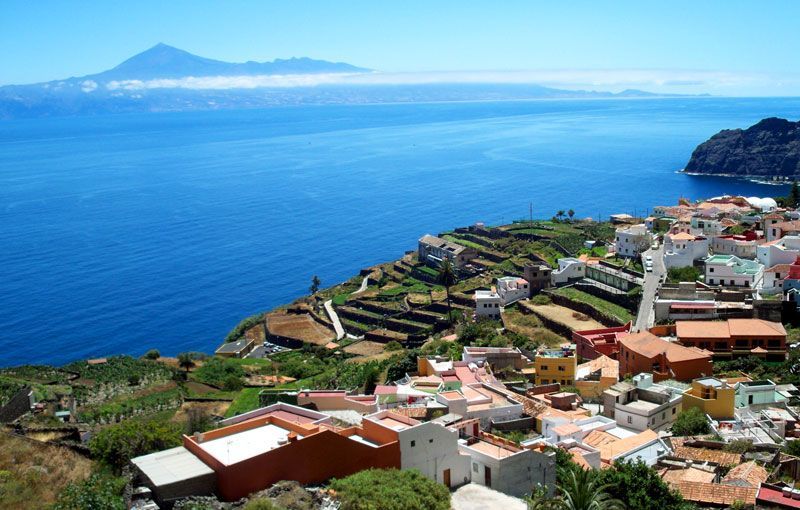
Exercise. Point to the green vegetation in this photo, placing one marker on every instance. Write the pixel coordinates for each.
(579, 489)
(683, 274)
(541, 299)
(394, 345)
(98, 492)
(116, 445)
(390, 489)
(247, 400)
(601, 305)
(639, 486)
(261, 504)
(127, 406)
(221, 373)
(690, 422)
(152, 354)
(340, 299)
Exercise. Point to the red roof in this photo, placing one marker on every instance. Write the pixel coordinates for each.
(385, 390)
(771, 495)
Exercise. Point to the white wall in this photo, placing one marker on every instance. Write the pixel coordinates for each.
(435, 449)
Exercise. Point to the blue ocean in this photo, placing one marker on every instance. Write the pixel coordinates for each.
(122, 233)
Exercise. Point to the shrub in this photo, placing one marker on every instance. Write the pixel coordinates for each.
(541, 299)
(393, 346)
(261, 504)
(218, 372)
(691, 422)
(98, 491)
(118, 444)
(152, 354)
(683, 274)
(390, 489)
(243, 326)
(232, 383)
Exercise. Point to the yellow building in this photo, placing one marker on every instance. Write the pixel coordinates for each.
(712, 396)
(555, 366)
(596, 376)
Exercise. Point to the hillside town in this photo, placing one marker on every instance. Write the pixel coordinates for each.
(488, 359)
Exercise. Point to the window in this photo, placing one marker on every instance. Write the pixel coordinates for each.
(710, 269)
(561, 369)
(733, 282)
(413, 444)
(673, 410)
(711, 281)
(430, 441)
(474, 467)
(664, 415)
(544, 367)
(630, 420)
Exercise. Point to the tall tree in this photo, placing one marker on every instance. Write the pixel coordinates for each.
(185, 361)
(570, 213)
(315, 283)
(447, 278)
(559, 214)
(794, 195)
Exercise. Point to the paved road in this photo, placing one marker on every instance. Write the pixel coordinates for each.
(646, 316)
(337, 324)
(477, 497)
(363, 286)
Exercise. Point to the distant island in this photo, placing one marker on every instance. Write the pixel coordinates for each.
(769, 149)
(164, 78)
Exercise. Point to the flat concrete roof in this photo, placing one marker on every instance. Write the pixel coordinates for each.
(244, 445)
(171, 466)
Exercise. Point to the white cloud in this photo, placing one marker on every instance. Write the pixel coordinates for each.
(88, 86)
(657, 80)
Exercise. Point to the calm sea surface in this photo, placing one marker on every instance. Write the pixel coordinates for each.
(124, 233)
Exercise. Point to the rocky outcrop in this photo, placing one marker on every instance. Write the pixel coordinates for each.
(770, 148)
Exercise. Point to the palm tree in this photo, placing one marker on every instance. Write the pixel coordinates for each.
(185, 361)
(581, 490)
(447, 277)
(570, 213)
(559, 214)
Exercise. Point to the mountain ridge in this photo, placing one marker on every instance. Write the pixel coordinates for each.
(165, 78)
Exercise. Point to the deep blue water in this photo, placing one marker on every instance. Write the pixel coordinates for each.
(123, 233)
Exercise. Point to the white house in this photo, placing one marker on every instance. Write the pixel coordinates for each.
(681, 250)
(631, 241)
(487, 304)
(732, 271)
(773, 278)
(642, 405)
(433, 250)
(782, 251)
(434, 451)
(706, 226)
(569, 269)
(511, 289)
(739, 245)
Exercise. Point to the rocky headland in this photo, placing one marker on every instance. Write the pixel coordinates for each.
(769, 149)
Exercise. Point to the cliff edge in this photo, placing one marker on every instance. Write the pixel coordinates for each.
(770, 148)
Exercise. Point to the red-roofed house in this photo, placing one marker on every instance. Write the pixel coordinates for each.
(593, 343)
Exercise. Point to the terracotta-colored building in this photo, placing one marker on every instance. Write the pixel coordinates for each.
(593, 343)
(645, 352)
(735, 337)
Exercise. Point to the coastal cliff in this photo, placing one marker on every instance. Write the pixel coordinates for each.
(768, 149)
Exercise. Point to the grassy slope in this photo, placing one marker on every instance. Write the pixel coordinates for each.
(33, 474)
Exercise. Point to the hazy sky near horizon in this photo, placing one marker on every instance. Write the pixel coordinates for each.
(722, 47)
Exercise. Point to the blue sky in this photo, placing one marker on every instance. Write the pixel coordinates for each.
(731, 47)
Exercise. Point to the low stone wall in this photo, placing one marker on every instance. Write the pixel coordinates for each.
(630, 303)
(17, 405)
(524, 423)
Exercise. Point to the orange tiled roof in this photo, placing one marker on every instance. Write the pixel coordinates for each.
(687, 475)
(749, 472)
(714, 493)
(702, 329)
(650, 346)
(755, 327)
(706, 455)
